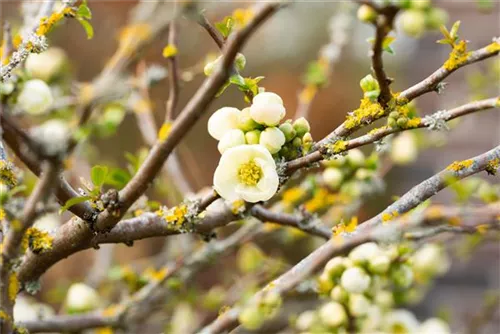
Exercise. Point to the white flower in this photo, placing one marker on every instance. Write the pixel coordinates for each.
(333, 177)
(400, 321)
(246, 172)
(339, 294)
(267, 108)
(305, 320)
(332, 314)
(364, 252)
(222, 121)
(53, 135)
(272, 139)
(48, 222)
(358, 304)
(431, 259)
(355, 157)
(404, 148)
(384, 298)
(46, 64)
(379, 264)
(27, 309)
(36, 97)
(232, 138)
(81, 298)
(434, 326)
(335, 266)
(373, 319)
(355, 280)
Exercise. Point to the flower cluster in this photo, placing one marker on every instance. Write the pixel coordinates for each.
(250, 140)
(366, 286)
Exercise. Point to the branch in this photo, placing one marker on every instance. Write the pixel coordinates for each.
(364, 233)
(376, 135)
(214, 33)
(173, 75)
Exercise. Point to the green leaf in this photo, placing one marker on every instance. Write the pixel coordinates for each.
(223, 88)
(84, 11)
(454, 30)
(315, 74)
(225, 26)
(117, 178)
(89, 30)
(98, 175)
(73, 201)
(237, 80)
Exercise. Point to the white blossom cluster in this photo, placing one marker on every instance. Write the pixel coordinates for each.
(366, 288)
(250, 140)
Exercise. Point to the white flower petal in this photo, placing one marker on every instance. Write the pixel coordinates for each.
(231, 139)
(267, 98)
(222, 121)
(267, 114)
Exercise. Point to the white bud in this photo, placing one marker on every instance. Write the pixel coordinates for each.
(413, 22)
(332, 314)
(335, 266)
(379, 264)
(434, 326)
(400, 321)
(27, 309)
(384, 299)
(222, 121)
(339, 294)
(36, 97)
(267, 108)
(358, 304)
(363, 253)
(232, 138)
(431, 260)
(81, 298)
(45, 65)
(305, 320)
(355, 157)
(53, 135)
(404, 148)
(333, 177)
(272, 139)
(373, 319)
(402, 275)
(355, 280)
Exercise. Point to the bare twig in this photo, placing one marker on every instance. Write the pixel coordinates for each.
(173, 75)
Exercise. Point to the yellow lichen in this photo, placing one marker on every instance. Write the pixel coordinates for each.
(322, 199)
(493, 47)
(169, 51)
(367, 111)
(293, 195)
(112, 310)
(7, 173)
(458, 56)
(459, 165)
(413, 123)
(155, 275)
(13, 286)
(492, 166)
(242, 16)
(337, 230)
(238, 206)
(339, 146)
(46, 23)
(174, 216)
(104, 330)
(308, 93)
(482, 229)
(37, 240)
(2, 214)
(164, 131)
(387, 216)
(4, 315)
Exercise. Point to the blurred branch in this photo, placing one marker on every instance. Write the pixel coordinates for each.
(364, 233)
(217, 38)
(173, 74)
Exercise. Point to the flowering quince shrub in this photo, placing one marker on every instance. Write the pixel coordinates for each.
(285, 205)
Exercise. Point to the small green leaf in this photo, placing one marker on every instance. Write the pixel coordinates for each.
(454, 31)
(73, 201)
(98, 175)
(89, 30)
(117, 178)
(237, 80)
(223, 88)
(225, 26)
(84, 11)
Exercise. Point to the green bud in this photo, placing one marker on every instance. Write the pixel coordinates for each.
(301, 126)
(288, 131)
(335, 267)
(245, 122)
(240, 62)
(251, 318)
(379, 264)
(307, 139)
(402, 276)
(253, 137)
(413, 22)
(394, 114)
(420, 4)
(369, 83)
(325, 283)
(270, 304)
(339, 294)
(384, 299)
(210, 67)
(355, 158)
(392, 122)
(402, 121)
(436, 17)
(297, 142)
(366, 14)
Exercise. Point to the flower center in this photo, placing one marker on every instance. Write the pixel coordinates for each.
(249, 173)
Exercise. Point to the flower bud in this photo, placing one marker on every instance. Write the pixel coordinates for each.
(325, 283)
(305, 320)
(431, 260)
(36, 97)
(245, 122)
(358, 304)
(379, 264)
(45, 65)
(402, 121)
(339, 294)
(355, 158)
(363, 174)
(267, 109)
(288, 131)
(363, 253)
(384, 299)
(6, 88)
(266, 98)
(301, 126)
(240, 62)
(53, 136)
(404, 148)
(369, 84)
(413, 22)
(270, 304)
(420, 4)
(272, 139)
(335, 267)
(333, 177)
(366, 14)
(436, 17)
(297, 142)
(81, 298)
(355, 280)
(253, 137)
(210, 67)
(402, 276)
(434, 326)
(332, 314)
(394, 114)
(251, 318)
(232, 138)
(222, 121)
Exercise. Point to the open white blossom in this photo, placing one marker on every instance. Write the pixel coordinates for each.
(273, 139)
(232, 138)
(267, 108)
(246, 172)
(81, 298)
(434, 326)
(355, 280)
(222, 121)
(333, 314)
(400, 321)
(46, 64)
(36, 97)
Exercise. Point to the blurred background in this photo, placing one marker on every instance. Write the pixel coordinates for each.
(280, 51)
